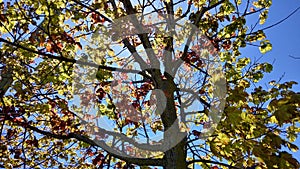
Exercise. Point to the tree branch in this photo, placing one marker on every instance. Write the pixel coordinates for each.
(282, 20)
(142, 34)
(189, 40)
(6, 81)
(93, 10)
(60, 58)
(103, 145)
(213, 162)
(294, 57)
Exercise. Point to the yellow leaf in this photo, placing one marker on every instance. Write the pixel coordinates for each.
(265, 46)
(110, 52)
(243, 115)
(273, 120)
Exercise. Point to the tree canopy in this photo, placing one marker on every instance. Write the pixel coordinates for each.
(141, 84)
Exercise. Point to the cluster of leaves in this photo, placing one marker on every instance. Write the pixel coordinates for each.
(41, 128)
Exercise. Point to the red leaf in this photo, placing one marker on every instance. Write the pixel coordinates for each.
(3, 18)
(95, 161)
(90, 152)
(100, 93)
(102, 20)
(118, 165)
(196, 133)
(98, 159)
(79, 45)
(59, 45)
(31, 39)
(233, 18)
(201, 91)
(10, 133)
(136, 104)
(17, 154)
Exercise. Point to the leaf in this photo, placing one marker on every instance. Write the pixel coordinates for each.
(292, 147)
(259, 35)
(196, 133)
(43, 115)
(263, 16)
(78, 45)
(110, 52)
(49, 47)
(60, 45)
(268, 68)
(272, 105)
(273, 120)
(265, 46)
(291, 136)
(282, 116)
(262, 3)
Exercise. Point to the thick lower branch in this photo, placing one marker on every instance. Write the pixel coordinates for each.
(103, 145)
(212, 162)
(6, 81)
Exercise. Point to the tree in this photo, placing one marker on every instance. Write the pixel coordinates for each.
(168, 76)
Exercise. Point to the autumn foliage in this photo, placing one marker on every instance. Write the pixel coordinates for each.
(149, 84)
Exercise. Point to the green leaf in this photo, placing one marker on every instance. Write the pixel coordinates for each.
(268, 68)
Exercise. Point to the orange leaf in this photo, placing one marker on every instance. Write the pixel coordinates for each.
(17, 119)
(48, 47)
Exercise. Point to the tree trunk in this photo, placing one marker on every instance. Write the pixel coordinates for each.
(6, 81)
(175, 157)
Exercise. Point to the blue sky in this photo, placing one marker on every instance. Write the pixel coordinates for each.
(285, 40)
